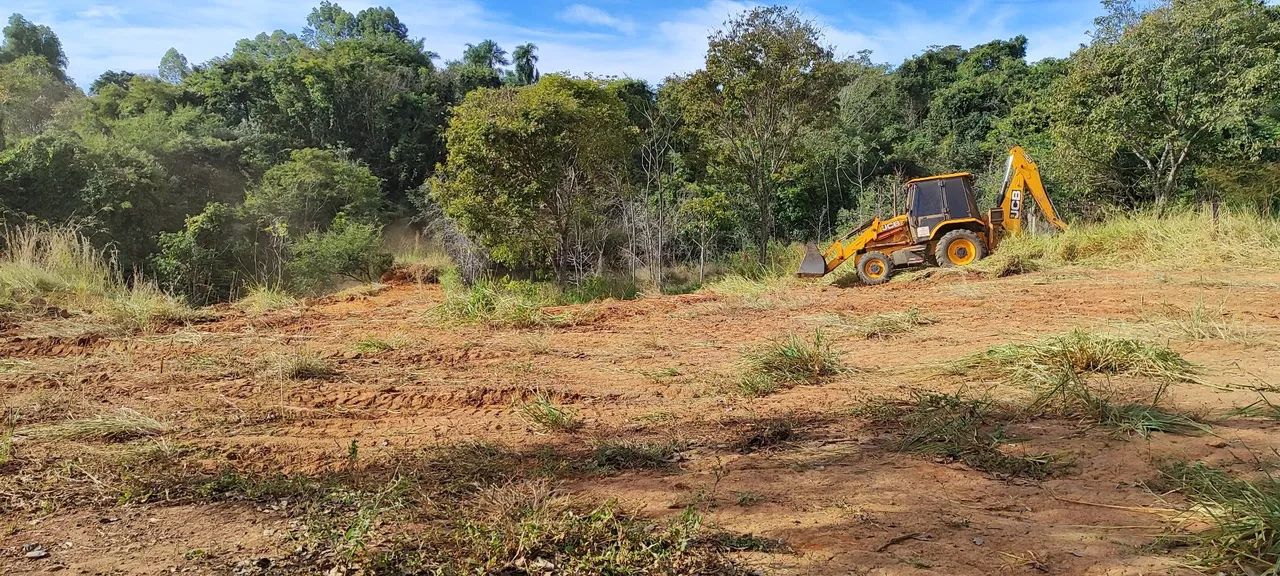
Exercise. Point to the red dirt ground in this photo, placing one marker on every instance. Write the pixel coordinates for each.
(658, 367)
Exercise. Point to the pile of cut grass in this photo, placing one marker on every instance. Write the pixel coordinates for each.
(789, 362)
(1079, 352)
(47, 266)
(891, 324)
(115, 426)
(1179, 239)
(1243, 516)
(1073, 397)
(628, 454)
(959, 428)
(1200, 323)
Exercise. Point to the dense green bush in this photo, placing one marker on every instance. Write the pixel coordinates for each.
(348, 249)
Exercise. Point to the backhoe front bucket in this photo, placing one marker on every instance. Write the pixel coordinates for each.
(813, 265)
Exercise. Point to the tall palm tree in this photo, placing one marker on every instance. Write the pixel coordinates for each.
(525, 60)
(486, 53)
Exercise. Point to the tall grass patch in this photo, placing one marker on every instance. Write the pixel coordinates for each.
(44, 266)
(261, 298)
(500, 302)
(1178, 239)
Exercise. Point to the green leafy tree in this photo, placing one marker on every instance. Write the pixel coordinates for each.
(1176, 89)
(311, 189)
(174, 66)
(327, 24)
(530, 169)
(381, 21)
(111, 78)
(30, 91)
(768, 78)
(23, 38)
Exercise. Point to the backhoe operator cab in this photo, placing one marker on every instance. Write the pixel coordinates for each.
(942, 227)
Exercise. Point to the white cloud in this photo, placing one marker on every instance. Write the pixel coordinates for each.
(101, 11)
(583, 14)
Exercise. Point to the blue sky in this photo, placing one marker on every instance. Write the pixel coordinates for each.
(635, 38)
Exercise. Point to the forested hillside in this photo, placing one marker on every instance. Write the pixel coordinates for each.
(280, 163)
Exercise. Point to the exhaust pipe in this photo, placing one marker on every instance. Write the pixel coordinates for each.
(813, 265)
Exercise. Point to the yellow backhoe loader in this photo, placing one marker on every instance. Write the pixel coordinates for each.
(942, 226)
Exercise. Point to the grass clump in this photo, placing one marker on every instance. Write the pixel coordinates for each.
(766, 435)
(373, 345)
(788, 362)
(530, 527)
(500, 302)
(756, 385)
(958, 428)
(1073, 397)
(1242, 515)
(1080, 352)
(551, 417)
(307, 366)
(797, 360)
(115, 426)
(263, 298)
(624, 454)
(891, 324)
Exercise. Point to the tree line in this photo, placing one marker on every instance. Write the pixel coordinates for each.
(280, 162)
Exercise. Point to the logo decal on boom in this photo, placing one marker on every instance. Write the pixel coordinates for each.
(1015, 203)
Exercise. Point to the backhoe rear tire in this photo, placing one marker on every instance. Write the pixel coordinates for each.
(959, 248)
(874, 268)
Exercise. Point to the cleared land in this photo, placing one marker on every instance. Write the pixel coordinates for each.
(357, 429)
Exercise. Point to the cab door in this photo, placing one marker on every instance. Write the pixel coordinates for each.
(927, 210)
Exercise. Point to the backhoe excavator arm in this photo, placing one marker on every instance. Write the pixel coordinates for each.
(817, 264)
(1022, 177)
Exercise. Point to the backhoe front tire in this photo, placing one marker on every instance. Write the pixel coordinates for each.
(959, 248)
(874, 268)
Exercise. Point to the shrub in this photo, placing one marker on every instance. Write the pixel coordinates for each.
(347, 249)
(203, 260)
